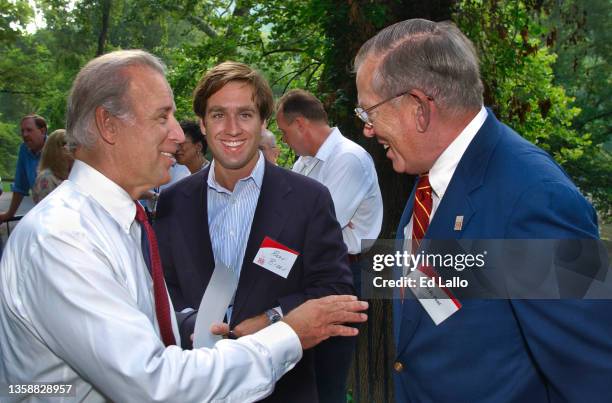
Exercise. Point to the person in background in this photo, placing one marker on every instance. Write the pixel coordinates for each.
(191, 152)
(268, 146)
(34, 134)
(54, 167)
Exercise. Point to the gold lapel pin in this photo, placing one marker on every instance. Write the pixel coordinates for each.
(458, 222)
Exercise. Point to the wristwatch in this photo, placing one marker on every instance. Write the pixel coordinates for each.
(273, 316)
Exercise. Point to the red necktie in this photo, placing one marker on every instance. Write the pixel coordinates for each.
(162, 307)
(421, 212)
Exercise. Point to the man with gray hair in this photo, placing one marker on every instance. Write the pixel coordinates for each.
(268, 146)
(83, 301)
(420, 96)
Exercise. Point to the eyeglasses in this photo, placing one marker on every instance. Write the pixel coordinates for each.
(363, 114)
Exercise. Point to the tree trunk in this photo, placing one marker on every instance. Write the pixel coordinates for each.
(106, 6)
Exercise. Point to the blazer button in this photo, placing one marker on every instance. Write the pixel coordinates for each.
(398, 366)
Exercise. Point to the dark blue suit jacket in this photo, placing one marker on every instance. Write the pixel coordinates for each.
(507, 350)
(292, 209)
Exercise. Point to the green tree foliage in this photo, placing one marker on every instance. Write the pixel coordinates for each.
(580, 35)
(546, 66)
(14, 15)
(9, 142)
(517, 65)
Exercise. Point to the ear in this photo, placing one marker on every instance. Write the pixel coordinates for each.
(301, 123)
(202, 128)
(105, 122)
(423, 110)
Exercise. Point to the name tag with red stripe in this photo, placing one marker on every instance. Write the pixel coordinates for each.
(276, 257)
(437, 300)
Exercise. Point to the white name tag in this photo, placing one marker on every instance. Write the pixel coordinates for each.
(275, 257)
(438, 302)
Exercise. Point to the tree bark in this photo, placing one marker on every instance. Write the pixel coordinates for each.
(106, 7)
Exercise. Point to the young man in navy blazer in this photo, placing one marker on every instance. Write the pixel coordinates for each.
(239, 203)
(420, 96)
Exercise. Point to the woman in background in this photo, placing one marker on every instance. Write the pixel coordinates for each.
(191, 152)
(55, 163)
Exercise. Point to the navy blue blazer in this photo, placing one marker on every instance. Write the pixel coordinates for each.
(507, 350)
(292, 209)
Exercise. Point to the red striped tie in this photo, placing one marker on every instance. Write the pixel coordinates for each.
(162, 306)
(421, 211)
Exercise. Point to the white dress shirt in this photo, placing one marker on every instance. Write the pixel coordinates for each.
(77, 307)
(230, 215)
(347, 170)
(444, 168)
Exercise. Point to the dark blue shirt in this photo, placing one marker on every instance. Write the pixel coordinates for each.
(25, 173)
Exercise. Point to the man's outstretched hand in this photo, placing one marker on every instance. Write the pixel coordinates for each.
(319, 319)
(313, 321)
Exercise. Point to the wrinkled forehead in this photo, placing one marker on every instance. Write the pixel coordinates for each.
(149, 88)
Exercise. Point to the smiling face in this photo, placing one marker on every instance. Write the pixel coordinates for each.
(393, 125)
(146, 140)
(233, 126)
(33, 136)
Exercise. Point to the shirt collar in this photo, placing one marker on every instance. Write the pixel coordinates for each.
(256, 175)
(443, 169)
(110, 196)
(328, 145)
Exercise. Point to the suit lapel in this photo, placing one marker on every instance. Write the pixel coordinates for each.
(468, 177)
(198, 242)
(268, 220)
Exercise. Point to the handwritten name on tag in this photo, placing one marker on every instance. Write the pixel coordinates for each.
(438, 301)
(275, 257)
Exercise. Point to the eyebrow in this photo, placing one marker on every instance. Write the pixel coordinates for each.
(165, 109)
(218, 108)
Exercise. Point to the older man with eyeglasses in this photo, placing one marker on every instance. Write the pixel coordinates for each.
(420, 96)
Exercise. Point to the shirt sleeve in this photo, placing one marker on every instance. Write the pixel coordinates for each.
(86, 316)
(21, 185)
(348, 182)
